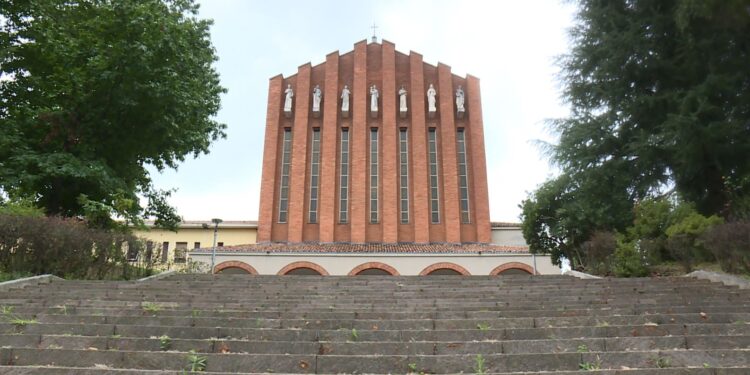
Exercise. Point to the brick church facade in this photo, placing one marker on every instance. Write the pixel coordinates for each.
(374, 176)
(374, 163)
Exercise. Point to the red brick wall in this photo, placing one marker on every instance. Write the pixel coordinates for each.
(358, 141)
(381, 65)
(420, 193)
(328, 158)
(389, 150)
(270, 161)
(480, 191)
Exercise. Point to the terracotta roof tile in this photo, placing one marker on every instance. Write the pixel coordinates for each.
(503, 224)
(375, 248)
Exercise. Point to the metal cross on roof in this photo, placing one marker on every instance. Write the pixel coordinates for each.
(374, 37)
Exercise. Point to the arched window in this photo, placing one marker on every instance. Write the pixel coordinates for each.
(444, 268)
(512, 268)
(373, 268)
(235, 267)
(302, 268)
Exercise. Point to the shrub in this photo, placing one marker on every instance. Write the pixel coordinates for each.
(730, 244)
(684, 239)
(23, 207)
(652, 219)
(65, 247)
(628, 261)
(599, 249)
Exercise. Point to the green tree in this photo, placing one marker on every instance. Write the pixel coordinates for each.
(659, 93)
(94, 91)
(664, 87)
(564, 212)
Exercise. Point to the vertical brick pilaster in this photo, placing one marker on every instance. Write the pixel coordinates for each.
(327, 202)
(449, 201)
(270, 160)
(389, 150)
(476, 148)
(358, 149)
(420, 197)
(297, 178)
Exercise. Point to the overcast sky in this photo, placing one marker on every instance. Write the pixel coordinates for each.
(510, 45)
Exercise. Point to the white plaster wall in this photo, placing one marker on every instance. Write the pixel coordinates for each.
(508, 236)
(405, 264)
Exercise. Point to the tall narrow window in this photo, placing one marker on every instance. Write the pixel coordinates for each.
(374, 175)
(286, 161)
(164, 251)
(434, 197)
(180, 249)
(314, 175)
(463, 176)
(403, 142)
(150, 251)
(344, 179)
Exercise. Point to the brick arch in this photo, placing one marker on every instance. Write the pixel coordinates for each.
(235, 264)
(302, 264)
(512, 265)
(378, 265)
(444, 265)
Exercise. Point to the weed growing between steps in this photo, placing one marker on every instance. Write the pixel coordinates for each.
(591, 366)
(16, 320)
(196, 363)
(165, 342)
(479, 367)
(151, 307)
(662, 362)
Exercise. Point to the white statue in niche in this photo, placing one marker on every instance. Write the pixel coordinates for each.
(288, 100)
(402, 99)
(345, 99)
(374, 98)
(317, 95)
(431, 93)
(460, 99)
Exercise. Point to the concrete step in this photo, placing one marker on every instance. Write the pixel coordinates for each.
(377, 325)
(215, 345)
(374, 333)
(50, 370)
(398, 324)
(376, 364)
(552, 312)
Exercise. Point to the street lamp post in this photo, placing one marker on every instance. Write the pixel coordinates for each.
(216, 222)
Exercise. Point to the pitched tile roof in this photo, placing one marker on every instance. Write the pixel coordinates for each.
(374, 248)
(503, 224)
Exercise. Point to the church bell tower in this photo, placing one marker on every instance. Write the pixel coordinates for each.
(374, 146)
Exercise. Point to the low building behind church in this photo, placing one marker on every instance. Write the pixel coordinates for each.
(168, 250)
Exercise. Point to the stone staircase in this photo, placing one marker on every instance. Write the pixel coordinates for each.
(376, 324)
